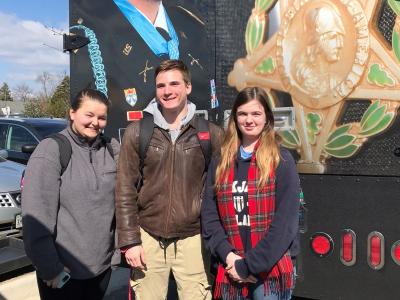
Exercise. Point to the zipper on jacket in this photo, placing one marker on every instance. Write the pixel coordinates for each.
(94, 171)
(171, 185)
(172, 176)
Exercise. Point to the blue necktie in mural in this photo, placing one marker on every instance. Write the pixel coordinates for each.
(149, 33)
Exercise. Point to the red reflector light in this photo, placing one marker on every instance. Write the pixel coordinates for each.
(376, 258)
(348, 247)
(321, 244)
(396, 252)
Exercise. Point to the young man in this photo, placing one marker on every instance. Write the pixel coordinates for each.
(159, 222)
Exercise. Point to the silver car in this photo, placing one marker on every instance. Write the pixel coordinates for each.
(10, 196)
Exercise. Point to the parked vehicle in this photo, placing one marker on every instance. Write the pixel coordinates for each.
(20, 136)
(12, 253)
(10, 196)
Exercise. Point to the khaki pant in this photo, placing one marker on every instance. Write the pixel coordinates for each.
(184, 258)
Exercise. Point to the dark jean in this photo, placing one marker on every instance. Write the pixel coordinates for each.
(87, 289)
(257, 293)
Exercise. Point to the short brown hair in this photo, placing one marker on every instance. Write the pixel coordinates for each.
(174, 64)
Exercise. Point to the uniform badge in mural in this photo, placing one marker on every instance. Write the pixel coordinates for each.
(130, 96)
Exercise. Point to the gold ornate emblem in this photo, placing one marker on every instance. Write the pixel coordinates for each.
(326, 52)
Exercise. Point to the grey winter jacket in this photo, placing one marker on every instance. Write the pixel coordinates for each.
(69, 220)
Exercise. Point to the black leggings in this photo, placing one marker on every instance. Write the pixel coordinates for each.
(75, 289)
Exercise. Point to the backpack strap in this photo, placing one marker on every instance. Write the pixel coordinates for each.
(204, 137)
(145, 134)
(65, 149)
(107, 142)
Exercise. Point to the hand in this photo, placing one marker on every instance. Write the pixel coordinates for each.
(230, 259)
(52, 283)
(230, 267)
(230, 262)
(135, 257)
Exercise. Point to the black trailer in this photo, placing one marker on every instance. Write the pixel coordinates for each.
(337, 62)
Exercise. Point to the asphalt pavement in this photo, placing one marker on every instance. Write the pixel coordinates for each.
(21, 285)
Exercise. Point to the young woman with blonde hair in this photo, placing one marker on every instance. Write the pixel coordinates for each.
(250, 210)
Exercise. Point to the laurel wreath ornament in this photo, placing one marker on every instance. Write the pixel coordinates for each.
(395, 6)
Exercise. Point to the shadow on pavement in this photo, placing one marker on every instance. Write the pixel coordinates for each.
(118, 286)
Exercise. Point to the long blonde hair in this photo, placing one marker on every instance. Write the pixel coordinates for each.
(267, 154)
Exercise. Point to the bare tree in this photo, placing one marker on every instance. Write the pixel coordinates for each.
(46, 80)
(23, 92)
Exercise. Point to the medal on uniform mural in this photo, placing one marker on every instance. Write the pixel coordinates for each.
(130, 96)
(324, 54)
(214, 99)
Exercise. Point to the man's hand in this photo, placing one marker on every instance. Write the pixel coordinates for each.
(135, 257)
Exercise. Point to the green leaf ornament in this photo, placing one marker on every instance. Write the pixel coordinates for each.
(254, 32)
(290, 139)
(267, 66)
(344, 152)
(263, 5)
(395, 5)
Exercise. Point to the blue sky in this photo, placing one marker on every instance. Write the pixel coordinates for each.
(24, 33)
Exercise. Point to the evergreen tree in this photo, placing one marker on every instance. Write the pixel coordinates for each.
(5, 94)
(59, 102)
(36, 108)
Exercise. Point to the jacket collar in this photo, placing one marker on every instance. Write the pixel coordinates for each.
(82, 141)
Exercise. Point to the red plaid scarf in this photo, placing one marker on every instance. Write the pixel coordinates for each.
(280, 279)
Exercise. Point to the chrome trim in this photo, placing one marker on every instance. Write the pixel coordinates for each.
(353, 261)
(380, 235)
(6, 200)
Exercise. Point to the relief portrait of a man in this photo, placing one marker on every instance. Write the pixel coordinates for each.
(325, 39)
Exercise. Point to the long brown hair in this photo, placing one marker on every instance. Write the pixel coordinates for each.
(267, 154)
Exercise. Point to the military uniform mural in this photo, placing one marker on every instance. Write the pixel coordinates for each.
(338, 61)
(125, 48)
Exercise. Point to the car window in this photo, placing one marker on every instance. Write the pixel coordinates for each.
(3, 135)
(19, 136)
(47, 129)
